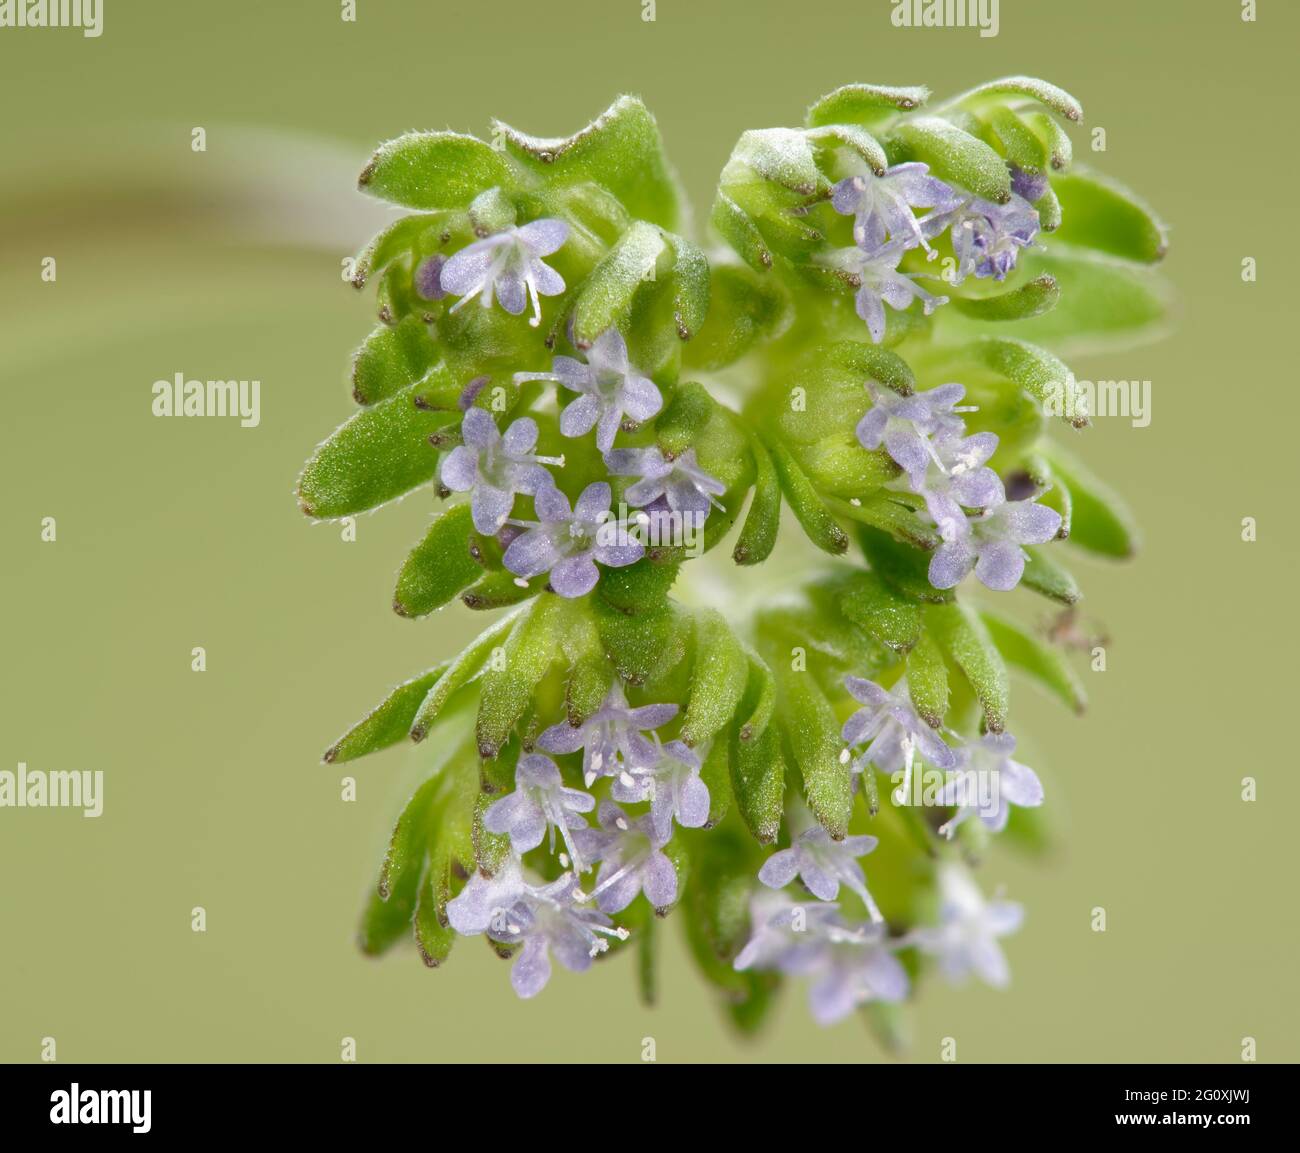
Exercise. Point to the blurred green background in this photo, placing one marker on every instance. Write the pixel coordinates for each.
(176, 533)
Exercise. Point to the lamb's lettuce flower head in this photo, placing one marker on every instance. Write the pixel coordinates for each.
(593, 398)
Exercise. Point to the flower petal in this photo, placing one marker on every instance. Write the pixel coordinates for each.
(575, 576)
(532, 968)
(543, 236)
(521, 437)
(1000, 566)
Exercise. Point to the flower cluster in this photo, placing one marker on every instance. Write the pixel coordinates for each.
(617, 743)
(984, 781)
(567, 542)
(629, 380)
(980, 529)
(850, 964)
(986, 237)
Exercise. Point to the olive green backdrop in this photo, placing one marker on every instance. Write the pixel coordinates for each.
(181, 533)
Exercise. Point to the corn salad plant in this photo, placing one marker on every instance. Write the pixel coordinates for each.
(594, 401)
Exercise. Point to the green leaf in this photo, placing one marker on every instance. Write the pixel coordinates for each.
(491, 850)
(689, 410)
(1037, 660)
(887, 615)
(953, 155)
(744, 308)
(808, 507)
(645, 646)
(962, 635)
(1032, 299)
(716, 775)
(901, 566)
(632, 589)
(459, 673)
(499, 590)
(691, 287)
(399, 238)
(1055, 495)
(856, 139)
(814, 734)
(605, 298)
(431, 170)
(390, 912)
(758, 783)
(1020, 144)
(620, 150)
(392, 357)
(996, 91)
(1049, 210)
(781, 156)
(1047, 577)
(1042, 375)
(1100, 522)
(738, 229)
(718, 680)
(433, 935)
(883, 510)
(388, 722)
(507, 687)
(760, 701)
(373, 457)
(439, 566)
(763, 521)
(1104, 303)
(1054, 138)
(864, 104)
(1098, 213)
(589, 682)
(927, 681)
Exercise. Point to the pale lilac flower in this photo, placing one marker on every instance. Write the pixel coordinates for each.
(632, 861)
(895, 732)
(610, 388)
(847, 965)
(612, 738)
(539, 803)
(549, 919)
(822, 864)
(680, 482)
(485, 900)
(989, 542)
(509, 264)
(789, 937)
(905, 424)
(960, 478)
(987, 782)
(672, 785)
(881, 206)
(987, 237)
(879, 283)
(428, 277)
(1030, 186)
(567, 543)
(495, 467)
(965, 940)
